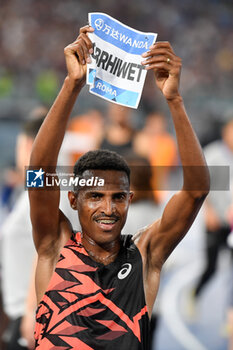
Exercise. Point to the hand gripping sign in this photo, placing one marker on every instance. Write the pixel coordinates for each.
(116, 73)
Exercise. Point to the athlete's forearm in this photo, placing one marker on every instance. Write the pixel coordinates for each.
(195, 170)
(49, 139)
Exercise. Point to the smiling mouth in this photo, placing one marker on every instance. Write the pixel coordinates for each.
(106, 221)
(106, 224)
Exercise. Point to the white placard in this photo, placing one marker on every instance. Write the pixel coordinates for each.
(116, 73)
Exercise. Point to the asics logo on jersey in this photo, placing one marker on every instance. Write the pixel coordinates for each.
(125, 271)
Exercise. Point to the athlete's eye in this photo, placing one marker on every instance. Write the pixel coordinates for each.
(120, 196)
(96, 195)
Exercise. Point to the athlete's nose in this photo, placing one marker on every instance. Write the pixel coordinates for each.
(108, 206)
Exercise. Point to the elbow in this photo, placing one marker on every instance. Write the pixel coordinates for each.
(205, 186)
(198, 197)
(203, 189)
(200, 194)
(199, 190)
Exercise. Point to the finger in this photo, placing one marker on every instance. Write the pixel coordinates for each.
(80, 53)
(158, 51)
(86, 48)
(83, 35)
(88, 43)
(76, 48)
(86, 29)
(162, 44)
(159, 48)
(159, 58)
(170, 67)
(81, 48)
(159, 65)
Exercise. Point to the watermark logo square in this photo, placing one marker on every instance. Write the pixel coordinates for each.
(35, 178)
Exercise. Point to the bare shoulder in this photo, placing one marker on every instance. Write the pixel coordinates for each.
(142, 238)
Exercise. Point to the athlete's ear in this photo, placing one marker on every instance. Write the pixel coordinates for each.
(73, 200)
(131, 194)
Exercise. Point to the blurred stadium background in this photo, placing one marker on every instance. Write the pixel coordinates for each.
(34, 33)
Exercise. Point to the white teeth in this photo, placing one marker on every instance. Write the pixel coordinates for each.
(106, 221)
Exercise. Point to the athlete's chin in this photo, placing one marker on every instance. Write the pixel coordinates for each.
(107, 234)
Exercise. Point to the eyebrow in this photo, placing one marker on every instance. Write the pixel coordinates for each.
(94, 192)
(103, 192)
(121, 192)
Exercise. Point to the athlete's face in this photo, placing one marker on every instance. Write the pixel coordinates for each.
(103, 209)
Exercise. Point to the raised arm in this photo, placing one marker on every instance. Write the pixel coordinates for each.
(44, 204)
(162, 236)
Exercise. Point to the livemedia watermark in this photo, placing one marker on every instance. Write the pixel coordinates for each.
(39, 178)
(143, 178)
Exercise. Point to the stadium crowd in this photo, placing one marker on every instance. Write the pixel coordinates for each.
(200, 31)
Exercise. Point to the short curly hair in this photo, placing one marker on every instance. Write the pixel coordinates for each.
(101, 160)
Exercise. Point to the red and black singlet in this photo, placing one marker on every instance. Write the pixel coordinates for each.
(90, 306)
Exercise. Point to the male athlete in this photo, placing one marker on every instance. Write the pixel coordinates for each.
(96, 288)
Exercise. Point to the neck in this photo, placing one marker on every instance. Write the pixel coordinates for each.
(102, 253)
